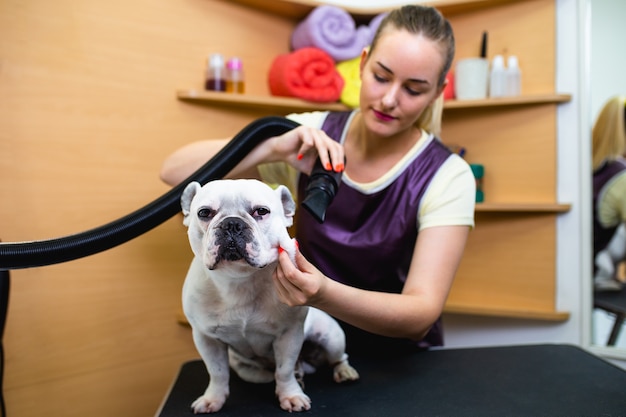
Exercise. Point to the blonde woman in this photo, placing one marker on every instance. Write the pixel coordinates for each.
(385, 258)
(609, 193)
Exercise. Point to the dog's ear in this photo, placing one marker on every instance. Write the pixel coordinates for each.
(185, 200)
(289, 206)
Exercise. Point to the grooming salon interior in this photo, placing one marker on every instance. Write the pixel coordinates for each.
(95, 95)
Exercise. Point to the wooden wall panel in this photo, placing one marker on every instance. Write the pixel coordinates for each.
(522, 28)
(508, 264)
(516, 146)
(88, 111)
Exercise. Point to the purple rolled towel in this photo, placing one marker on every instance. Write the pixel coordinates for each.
(333, 30)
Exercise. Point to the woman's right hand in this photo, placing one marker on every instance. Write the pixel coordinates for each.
(301, 146)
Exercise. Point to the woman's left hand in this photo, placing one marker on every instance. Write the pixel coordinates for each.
(299, 284)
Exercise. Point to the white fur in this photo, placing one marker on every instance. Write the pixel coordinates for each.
(231, 303)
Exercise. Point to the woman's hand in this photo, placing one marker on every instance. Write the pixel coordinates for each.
(300, 284)
(300, 147)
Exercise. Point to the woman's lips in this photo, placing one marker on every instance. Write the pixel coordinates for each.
(383, 116)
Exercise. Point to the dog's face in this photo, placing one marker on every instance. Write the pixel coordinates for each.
(237, 224)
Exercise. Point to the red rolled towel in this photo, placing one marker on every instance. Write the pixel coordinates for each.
(307, 73)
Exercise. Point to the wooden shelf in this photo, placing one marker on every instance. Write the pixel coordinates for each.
(299, 9)
(288, 104)
(523, 207)
(282, 104)
(533, 99)
(486, 311)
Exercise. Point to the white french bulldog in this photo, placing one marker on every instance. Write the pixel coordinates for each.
(235, 230)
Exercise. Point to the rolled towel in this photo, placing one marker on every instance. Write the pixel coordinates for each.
(307, 73)
(351, 74)
(332, 29)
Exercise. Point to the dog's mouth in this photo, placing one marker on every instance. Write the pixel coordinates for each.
(233, 253)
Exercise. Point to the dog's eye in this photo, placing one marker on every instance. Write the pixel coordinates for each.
(260, 212)
(206, 213)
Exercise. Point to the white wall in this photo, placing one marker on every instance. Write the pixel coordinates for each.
(608, 61)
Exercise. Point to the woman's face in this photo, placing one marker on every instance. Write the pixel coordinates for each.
(398, 81)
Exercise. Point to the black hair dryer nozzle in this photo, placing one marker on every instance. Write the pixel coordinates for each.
(320, 190)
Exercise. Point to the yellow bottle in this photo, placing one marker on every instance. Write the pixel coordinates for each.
(235, 80)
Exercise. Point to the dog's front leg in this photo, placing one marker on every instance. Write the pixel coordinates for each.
(215, 356)
(287, 349)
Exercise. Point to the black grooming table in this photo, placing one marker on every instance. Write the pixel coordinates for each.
(538, 380)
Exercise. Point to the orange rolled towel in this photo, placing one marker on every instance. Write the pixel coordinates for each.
(307, 73)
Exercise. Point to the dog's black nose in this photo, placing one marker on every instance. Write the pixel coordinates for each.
(233, 225)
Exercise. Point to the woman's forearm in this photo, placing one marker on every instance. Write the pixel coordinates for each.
(387, 314)
(185, 161)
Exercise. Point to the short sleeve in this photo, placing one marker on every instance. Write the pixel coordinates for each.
(612, 202)
(451, 196)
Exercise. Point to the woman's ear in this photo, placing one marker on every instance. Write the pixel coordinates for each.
(364, 54)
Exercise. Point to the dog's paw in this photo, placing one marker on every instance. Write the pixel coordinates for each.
(297, 402)
(343, 372)
(206, 404)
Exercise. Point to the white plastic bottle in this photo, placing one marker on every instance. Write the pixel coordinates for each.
(513, 77)
(497, 77)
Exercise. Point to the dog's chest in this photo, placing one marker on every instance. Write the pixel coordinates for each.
(250, 311)
(243, 321)
(251, 329)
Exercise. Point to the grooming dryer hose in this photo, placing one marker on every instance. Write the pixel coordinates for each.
(47, 252)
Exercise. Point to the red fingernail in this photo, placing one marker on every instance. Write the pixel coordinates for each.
(339, 168)
(280, 250)
(328, 166)
(297, 244)
(300, 156)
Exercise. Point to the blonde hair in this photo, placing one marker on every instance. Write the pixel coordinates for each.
(430, 119)
(430, 23)
(609, 132)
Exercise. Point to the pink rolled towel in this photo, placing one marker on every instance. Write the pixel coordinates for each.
(334, 30)
(307, 73)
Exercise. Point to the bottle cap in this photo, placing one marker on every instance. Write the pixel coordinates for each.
(512, 61)
(234, 63)
(216, 61)
(498, 62)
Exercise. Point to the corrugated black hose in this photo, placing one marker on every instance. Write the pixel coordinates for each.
(47, 252)
(5, 284)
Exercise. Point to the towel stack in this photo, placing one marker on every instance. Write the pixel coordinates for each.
(324, 63)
